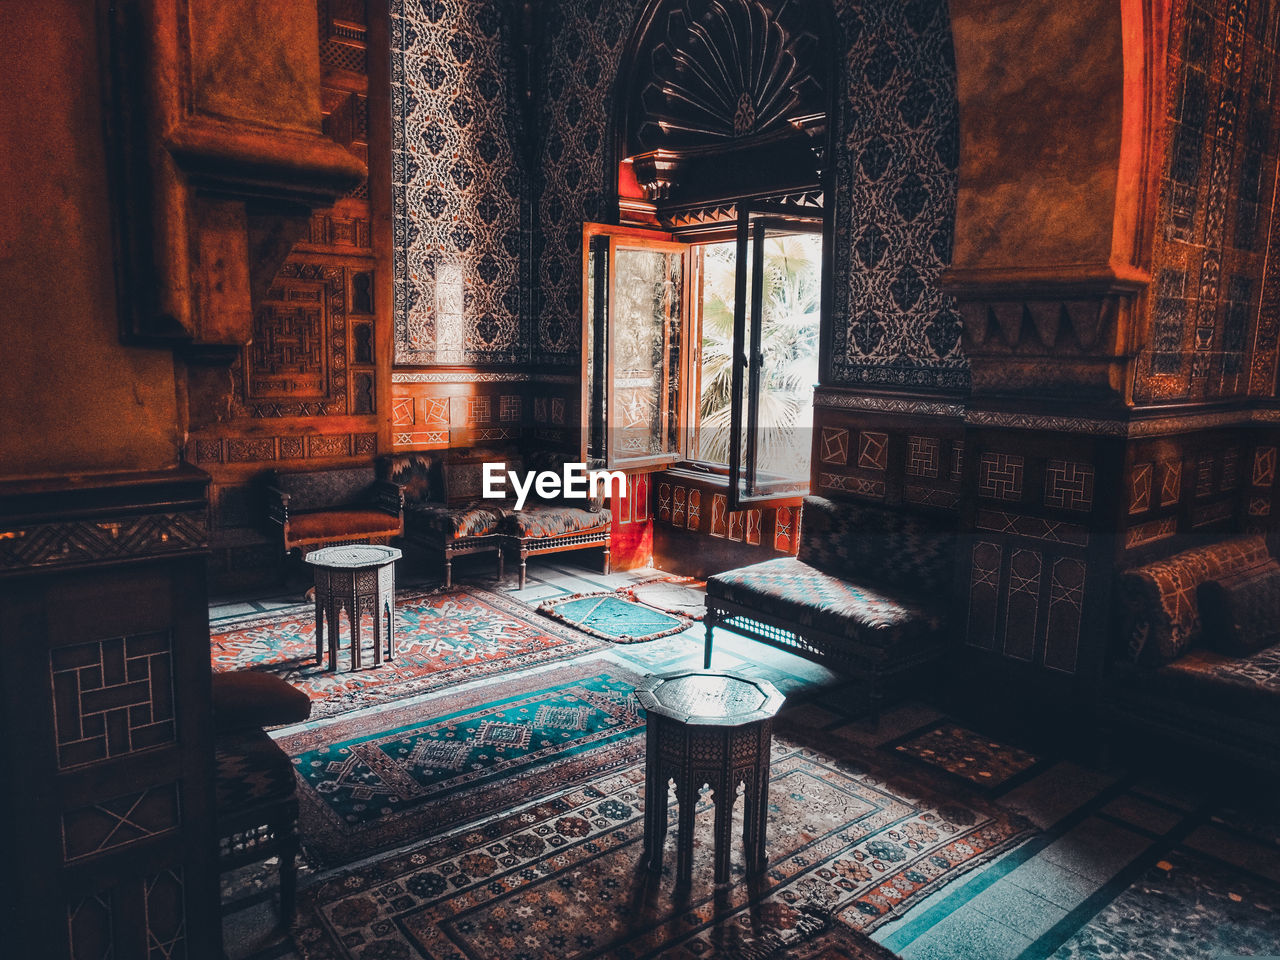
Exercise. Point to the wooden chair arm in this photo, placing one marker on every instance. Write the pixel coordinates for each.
(278, 506)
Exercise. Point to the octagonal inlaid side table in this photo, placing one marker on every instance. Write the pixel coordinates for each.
(715, 728)
(362, 579)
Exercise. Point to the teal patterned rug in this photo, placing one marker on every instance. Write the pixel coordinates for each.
(394, 776)
(610, 617)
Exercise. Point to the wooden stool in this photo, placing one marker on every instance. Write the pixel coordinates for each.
(714, 728)
(361, 578)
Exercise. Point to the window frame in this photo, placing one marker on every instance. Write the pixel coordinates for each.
(780, 217)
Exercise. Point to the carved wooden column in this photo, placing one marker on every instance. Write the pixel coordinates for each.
(1055, 210)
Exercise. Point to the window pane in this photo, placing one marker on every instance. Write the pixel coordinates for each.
(791, 300)
(645, 352)
(715, 386)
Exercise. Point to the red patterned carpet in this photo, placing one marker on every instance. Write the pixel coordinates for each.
(443, 639)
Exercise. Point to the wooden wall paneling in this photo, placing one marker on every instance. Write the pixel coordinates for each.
(105, 705)
(892, 459)
(695, 534)
(1034, 593)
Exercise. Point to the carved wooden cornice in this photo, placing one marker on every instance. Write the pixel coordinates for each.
(86, 521)
(1069, 331)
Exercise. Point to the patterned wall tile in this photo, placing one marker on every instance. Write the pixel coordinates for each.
(458, 184)
(1216, 198)
(583, 44)
(898, 150)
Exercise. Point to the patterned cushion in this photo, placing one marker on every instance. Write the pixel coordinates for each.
(454, 522)
(343, 524)
(546, 520)
(419, 474)
(1240, 686)
(872, 545)
(325, 489)
(250, 769)
(1240, 611)
(1161, 610)
(793, 590)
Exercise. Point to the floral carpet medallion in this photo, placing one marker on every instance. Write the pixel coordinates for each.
(563, 879)
(394, 776)
(442, 639)
(968, 755)
(1186, 907)
(610, 617)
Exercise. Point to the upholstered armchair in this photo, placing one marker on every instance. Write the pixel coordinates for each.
(310, 509)
(443, 512)
(256, 802)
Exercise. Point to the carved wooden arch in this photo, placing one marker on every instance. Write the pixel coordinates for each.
(709, 87)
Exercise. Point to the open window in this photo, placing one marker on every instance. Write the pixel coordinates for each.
(705, 352)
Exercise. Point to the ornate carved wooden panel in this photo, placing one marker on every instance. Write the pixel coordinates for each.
(105, 706)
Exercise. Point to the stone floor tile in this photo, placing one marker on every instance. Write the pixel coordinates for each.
(1017, 908)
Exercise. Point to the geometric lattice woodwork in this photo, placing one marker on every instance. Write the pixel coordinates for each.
(119, 821)
(112, 697)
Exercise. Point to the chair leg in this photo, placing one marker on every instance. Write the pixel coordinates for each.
(501, 563)
(448, 569)
(524, 556)
(288, 884)
(607, 571)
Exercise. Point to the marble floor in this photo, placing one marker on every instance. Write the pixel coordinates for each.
(1101, 832)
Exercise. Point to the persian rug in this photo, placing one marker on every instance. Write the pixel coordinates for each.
(683, 596)
(397, 775)
(610, 617)
(1185, 907)
(965, 754)
(441, 639)
(562, 878)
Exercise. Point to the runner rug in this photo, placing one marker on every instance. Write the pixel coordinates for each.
(562, 877)
(441, 639)
(391, 777)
